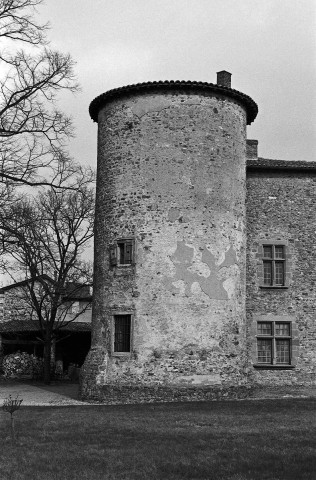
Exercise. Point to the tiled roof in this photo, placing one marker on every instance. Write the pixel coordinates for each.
(76, 291)
(72, 291)
(101, 100)
(268, 164)
(24, 282)
(33, 326)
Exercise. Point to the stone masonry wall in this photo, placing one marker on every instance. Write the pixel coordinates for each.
(14, 305)
(171, 176)
(281, 206)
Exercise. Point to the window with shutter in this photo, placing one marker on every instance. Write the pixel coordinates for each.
(122, 253)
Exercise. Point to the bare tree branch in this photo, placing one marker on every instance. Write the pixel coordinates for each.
(34, 133)
(17, 21)
(43, 238)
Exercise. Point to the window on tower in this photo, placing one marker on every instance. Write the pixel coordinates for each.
(122, 252)
(122, 333)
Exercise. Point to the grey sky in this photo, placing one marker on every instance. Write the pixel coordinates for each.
(269, 46)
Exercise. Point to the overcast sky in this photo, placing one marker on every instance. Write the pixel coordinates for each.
(269, 46)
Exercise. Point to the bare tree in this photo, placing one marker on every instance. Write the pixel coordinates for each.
(33, 132)
(44, 237)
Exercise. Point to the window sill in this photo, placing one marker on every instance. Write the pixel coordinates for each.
(274, 287)
(121, 354)
(273, 367)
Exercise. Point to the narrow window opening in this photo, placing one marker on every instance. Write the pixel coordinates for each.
(125, 252)
(122, 333)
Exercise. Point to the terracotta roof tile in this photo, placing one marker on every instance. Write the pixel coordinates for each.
(33, 326)
(101, 100)
(269, 164)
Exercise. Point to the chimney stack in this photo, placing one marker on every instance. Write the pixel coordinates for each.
(252, 149)
(224, 78)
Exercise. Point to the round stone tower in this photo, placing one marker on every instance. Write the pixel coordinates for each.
(169, 282)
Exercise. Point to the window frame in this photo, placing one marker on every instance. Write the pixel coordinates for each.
(274, 338)
(273, 260)
(286, 260)
(293, 338)
(115, 252)
(121, 314)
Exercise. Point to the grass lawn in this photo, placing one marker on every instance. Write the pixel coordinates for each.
(257, 440)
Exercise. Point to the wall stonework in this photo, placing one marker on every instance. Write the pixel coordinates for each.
(171, 175)
(281, 205)
(172, 178)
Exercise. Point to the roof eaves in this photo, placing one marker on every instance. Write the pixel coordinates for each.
(270, 164)
(101, 100)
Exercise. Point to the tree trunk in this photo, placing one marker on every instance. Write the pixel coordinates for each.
(47, 360)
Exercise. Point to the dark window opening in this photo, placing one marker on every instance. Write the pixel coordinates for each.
(125, 252)
(122, 333)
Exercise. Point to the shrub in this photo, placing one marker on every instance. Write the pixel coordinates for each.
(21, 363)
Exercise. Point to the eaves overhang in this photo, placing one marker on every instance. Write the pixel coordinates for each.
(265, 164)
(174, 85)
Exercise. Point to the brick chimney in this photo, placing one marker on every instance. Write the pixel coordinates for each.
(252, 149)
(224, 78)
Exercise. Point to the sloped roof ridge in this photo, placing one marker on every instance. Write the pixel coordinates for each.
(24, 282)
(281, 164)
(99, 101)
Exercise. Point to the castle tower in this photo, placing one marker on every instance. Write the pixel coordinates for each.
(169, 284)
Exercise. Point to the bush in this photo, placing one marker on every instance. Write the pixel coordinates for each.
(22, 363)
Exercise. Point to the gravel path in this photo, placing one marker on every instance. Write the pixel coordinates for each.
(42, 395)
(67, 393)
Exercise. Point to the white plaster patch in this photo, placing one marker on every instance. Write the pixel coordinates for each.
(148, 104)
(195, 288)
(211, 379)
(180, 284)
(230, 287)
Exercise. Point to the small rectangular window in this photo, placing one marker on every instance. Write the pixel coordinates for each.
(279, 251)
(264, 351)
(267, 272)
(279, 273)
(122, 252)
(282, 329)
(283, 352)
(264, 328)
(125, 252)
(267, 252)
(274, 265)
(122, 333)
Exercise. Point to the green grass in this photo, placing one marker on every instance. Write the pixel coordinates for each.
(257, 440)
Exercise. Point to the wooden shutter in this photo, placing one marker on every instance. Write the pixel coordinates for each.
(128, 252)
(113, 255)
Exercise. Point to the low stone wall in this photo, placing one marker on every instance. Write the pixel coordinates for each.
(116, 395)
